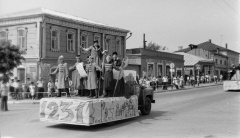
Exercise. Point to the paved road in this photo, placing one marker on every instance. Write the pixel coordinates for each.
(203, 112)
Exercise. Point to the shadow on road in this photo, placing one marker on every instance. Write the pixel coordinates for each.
(154, 115)
(233, 91)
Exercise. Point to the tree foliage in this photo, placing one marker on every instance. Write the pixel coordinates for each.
(10, 57)
(154, 46)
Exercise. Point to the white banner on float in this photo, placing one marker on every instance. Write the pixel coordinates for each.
(231, 85)
(85, 111)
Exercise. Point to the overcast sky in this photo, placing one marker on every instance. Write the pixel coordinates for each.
(170, 23)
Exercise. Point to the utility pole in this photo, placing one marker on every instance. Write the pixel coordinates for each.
(144, 42)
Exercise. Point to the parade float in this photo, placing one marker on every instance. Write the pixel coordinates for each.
(92, 111)
(234, 82)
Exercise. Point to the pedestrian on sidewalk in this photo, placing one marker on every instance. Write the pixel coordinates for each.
(202, 79)
(32, 89)
(188, 81)
(181, 82)
(198, 79)
(215, 78)
(11, 88)
(51, 89)
(165, 80)
(27, 87)
(175, 81)
(221, 78)
(16, 86)
(159, 82)
(40, 84)
(192, 81)
(4, 90)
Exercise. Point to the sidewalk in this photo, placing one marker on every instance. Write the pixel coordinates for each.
(29, 101)
(186, 87)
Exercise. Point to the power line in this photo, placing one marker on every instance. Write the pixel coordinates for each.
(222, 9)
(230, 7)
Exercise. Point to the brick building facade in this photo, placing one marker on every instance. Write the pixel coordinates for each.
(154, 63)
(43, 35)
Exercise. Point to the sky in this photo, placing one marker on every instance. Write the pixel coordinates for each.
(169, 23)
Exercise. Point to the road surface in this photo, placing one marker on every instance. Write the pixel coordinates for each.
(206, 112)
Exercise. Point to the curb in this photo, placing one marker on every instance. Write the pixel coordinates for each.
(23, 102)
(37, 101)
(172, 90)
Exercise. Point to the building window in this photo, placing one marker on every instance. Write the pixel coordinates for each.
(97, 37)
(150, 70)
(84, 40)
(70, 41)
(159, 69)
(55, 39)
(225, 62)
(220, 62)
(119, 45)
(108, 45)
(22, 38)
(216, 61)
(21, 75)
(3, 36)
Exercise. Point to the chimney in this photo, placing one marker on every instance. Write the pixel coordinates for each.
(144, 42)
(180, 47)
(226, 46)
(210, 41)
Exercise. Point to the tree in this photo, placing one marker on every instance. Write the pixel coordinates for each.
(154, 46)
(10, 57)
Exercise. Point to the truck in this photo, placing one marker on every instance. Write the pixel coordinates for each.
(89, 111)
(234, 83)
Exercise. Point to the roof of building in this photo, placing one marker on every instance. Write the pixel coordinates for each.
(191, 60)
(39, 11)
(209, 46)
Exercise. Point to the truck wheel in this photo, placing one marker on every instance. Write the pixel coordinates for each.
(146, 109)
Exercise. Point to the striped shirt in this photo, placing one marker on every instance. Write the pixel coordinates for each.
(108, 67)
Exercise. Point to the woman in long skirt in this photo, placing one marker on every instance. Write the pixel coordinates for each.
(108, 77)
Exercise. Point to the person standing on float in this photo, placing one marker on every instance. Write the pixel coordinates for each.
(78, 81)
(92, 77)
(108, 77)
(95, 50)
(119, 83)
(62, 71)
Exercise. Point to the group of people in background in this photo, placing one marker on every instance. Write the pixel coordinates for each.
(179, 81)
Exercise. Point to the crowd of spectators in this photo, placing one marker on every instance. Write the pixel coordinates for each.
(179, 82)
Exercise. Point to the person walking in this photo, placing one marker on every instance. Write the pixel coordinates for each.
(32, 89)
(40, 84)
(4, 90)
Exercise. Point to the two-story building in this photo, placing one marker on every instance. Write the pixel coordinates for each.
(223, 57)
(154, 63)
(43, 35)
